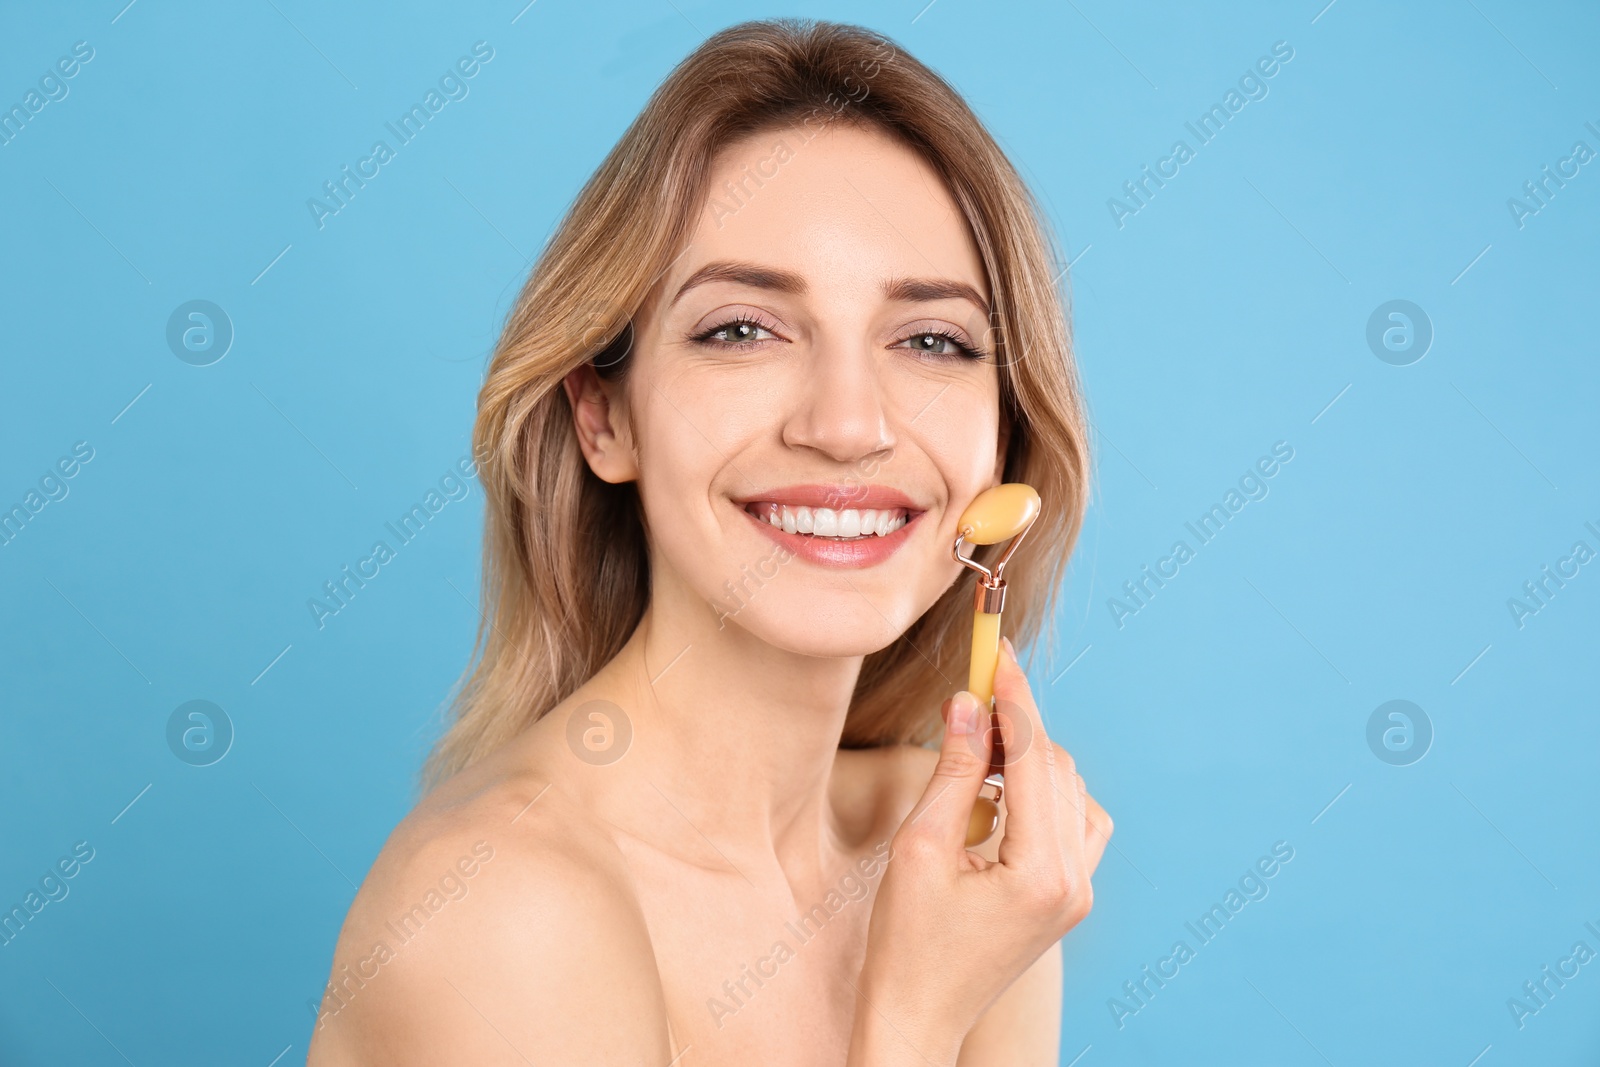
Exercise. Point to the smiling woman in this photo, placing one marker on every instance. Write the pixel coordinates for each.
(800, 317)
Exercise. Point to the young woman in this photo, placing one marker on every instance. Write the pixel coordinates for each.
(801, 316)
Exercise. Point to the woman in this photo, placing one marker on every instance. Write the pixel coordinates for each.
(801, 316)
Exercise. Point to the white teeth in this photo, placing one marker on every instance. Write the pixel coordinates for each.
(828, 522)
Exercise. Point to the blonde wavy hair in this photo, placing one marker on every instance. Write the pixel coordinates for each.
(560, 598)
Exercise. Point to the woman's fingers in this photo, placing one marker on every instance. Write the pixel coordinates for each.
(1089, 820)
(1092, 822)
(1040, 802)
(940, 817)
(1097, 834)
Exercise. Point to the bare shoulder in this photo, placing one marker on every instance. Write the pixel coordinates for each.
(906, 770)
(885, 781)
(498, 925)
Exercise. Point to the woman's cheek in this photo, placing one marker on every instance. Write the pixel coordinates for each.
(727, 405)
(959, 431)
(688, 442)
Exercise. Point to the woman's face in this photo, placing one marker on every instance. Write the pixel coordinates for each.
(813, 397)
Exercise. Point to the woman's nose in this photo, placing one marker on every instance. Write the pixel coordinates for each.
(840, 410)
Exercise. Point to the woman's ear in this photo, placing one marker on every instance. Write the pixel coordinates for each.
(600, 420)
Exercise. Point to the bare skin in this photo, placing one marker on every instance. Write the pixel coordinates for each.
(572, 901)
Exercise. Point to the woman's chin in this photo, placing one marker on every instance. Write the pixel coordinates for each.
(824, 635)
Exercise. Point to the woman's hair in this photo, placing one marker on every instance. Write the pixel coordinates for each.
(566, 575)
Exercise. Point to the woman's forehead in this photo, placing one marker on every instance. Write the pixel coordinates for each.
(847, 208)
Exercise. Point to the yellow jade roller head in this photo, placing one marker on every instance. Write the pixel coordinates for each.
(998, 514)
(1004, 512)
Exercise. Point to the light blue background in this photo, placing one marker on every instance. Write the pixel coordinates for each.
(1226, 315)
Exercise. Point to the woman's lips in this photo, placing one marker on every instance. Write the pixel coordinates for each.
(862, 550)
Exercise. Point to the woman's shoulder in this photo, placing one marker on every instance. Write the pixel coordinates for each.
(890, 780)
(497, 924)
(885, 781)
(898, 766)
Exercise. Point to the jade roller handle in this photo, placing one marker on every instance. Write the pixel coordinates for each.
(998, 514)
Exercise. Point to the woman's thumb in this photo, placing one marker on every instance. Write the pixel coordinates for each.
(946, 804)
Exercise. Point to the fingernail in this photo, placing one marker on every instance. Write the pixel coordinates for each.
(963, 713)
(1010, 650)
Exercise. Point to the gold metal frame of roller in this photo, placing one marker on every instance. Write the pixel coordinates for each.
(1005, 511)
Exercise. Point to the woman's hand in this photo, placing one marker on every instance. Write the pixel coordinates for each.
(951, 930)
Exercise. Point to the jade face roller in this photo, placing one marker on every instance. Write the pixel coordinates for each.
(1005, 511)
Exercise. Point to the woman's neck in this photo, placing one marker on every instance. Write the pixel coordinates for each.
(738, 735)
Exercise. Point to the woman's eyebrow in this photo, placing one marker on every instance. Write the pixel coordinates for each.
(916, 290)
(910, 290)
(757, 277)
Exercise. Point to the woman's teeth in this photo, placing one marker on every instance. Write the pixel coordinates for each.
(828, 522)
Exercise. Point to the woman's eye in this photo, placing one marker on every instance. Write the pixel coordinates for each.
(939, 344)
(735, 333)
